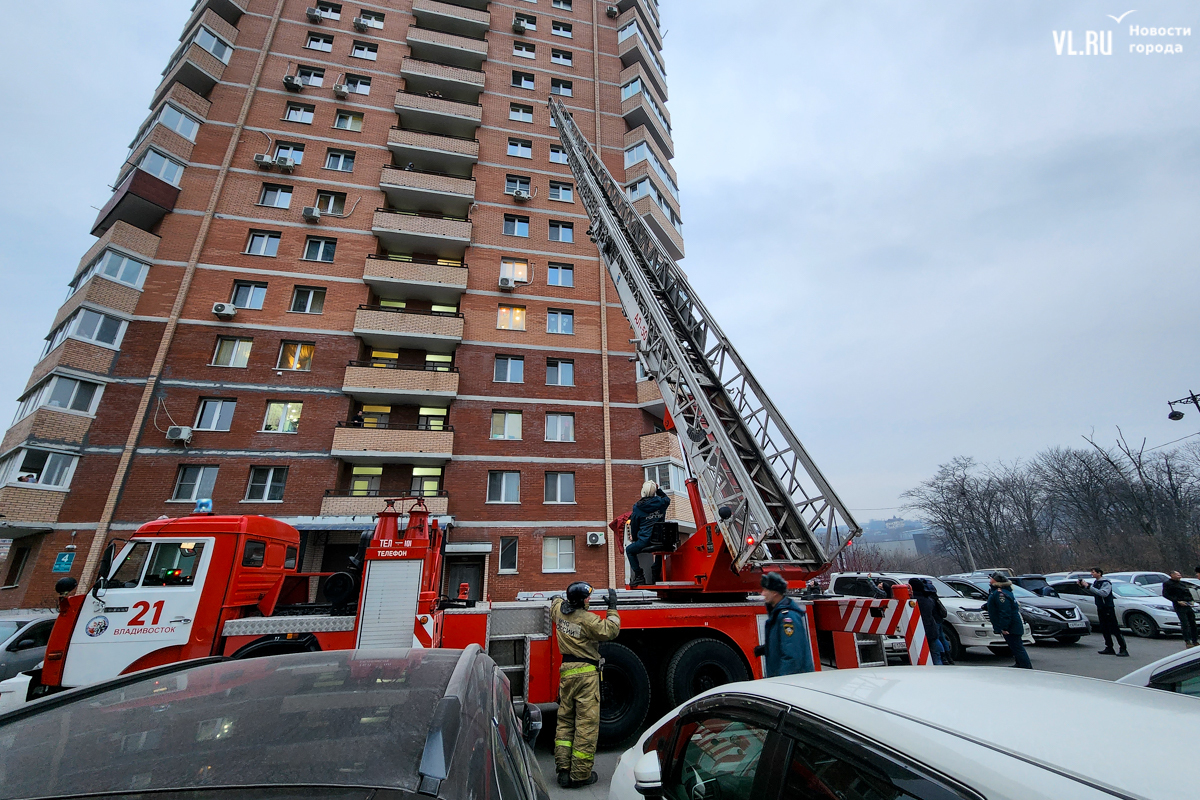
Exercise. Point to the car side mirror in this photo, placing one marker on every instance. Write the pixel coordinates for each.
(531, 723)
(24, 644)
(106, 562)
(647, 775)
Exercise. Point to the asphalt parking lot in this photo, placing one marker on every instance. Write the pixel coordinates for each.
(1074, 659)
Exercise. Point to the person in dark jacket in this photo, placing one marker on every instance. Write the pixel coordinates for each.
(647, 512)
(932, 614)
(787, 646)
(1006, 618)
(1180, 596)
(1106, 609)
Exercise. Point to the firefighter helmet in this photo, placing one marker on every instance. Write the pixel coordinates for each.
(578, 594)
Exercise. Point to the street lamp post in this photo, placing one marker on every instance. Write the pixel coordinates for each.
(962, 492)
(1176, 414)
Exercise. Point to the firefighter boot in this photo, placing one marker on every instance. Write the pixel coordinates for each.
(637, 580)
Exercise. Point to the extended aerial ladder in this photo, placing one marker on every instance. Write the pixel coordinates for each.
(776, 507)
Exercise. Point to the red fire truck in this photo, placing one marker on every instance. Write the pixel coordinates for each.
(208, 585)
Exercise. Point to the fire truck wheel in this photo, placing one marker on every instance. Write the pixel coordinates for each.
(624, 694)
(700, 665)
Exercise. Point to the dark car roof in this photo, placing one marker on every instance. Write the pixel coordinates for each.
(339, 719)
(1036, 600)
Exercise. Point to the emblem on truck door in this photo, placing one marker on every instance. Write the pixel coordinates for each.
(96, 626)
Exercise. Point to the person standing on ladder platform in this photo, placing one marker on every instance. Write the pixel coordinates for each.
(647, 512)
(579, 633)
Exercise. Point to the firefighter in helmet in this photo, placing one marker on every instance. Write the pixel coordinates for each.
(579, 633)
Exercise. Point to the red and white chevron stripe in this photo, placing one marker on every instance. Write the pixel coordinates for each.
(913, 631)
(856, 616)
(423, 631)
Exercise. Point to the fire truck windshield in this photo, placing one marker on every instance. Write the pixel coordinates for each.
(174, 564)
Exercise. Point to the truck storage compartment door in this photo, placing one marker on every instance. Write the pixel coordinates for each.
(388, 609)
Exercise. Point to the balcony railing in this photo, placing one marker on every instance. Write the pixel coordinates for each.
(399, 328)
(453, 49)
(369, 502)
(446, 237)
(383, 383)
(141, 200)
(48, 426)
(453, 155)
(637, 111)
(453, 18)
(428, 190)
(454, 83)
(26, 511)
(420, 109)
(394, 443)
(197, 69)
(418, 279)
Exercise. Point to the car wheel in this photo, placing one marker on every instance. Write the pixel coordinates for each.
(624, 694)
(999, 650)
(700, 665)
(956, 648)
(1142, 625)
(1068, 639)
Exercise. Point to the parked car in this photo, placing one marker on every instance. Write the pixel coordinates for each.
(1046, 617)
(23, 644)
(1034, 583)
(1143, 612)
(337, 724)
(1178, 672)
(1056, 577)
(911, 732)
(967, 623)
(1150, 581)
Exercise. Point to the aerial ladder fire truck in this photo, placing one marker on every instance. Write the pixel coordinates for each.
(206, 585)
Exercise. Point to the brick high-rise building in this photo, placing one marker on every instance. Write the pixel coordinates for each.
(345, 252)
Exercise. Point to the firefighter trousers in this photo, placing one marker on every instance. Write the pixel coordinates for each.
(578, 720)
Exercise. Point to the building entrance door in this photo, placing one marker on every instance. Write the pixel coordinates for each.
(468, 570)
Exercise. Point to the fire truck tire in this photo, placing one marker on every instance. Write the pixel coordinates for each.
(624, 694)
(700, 665)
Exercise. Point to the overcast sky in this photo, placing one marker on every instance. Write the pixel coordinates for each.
(927, 233)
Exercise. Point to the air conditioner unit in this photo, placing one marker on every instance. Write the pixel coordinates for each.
(341, 90)
(595, 539)
(518, 26)
(360, 24)
(612, 12)
(285, 164)
(521, 195)
(313, 15)
(263, 160)
(292, 83)
(179, 433)
(311, 214)
(225, 310)
(507, 282)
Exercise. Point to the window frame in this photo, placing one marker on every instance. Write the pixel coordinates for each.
(516, 556)
(168, 160)
(560, 270)
(563, 29)
(515, 313)
(558, 416)
(558, 228)
(564, 58)
(315, 75)
(304, 110)
(352, 118)
(99, 267)
(323, 243)
(511, 267)
(558, 363)
(11, 467)
(323, 38)
(313, 292)
(179, 472)
(507, 418)
(562, 87)
(298, 357)
(519, 223)
(371, 48)
(518, 112)
(268, 237)
(221, 403)
(559, 186)
(521, 183)
(280, 190)
(523, 49)
(505, 476)
(239, 340)
(254, 288)
(520, 79)
(268, 486)
(285, 407)
(558, 554)
(523, 148)
(528, 20)
(342, 156)
(508, 368)
(555, 150)
(560, 315)
(556, 477)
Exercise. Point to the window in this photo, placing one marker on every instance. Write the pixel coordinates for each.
(173, 564)
(562, 191)
(426, 481)
(520, 113)
(562, 231)
(560, 487)
(708, 766)
(282, 417)
(311, 76)
(642, 152)
(666, 475)
(161, 167)
(508, 554)
(558, 321)
(432, 419)
(364, 481)
(365, 50)
(506, 425)
(266, 484)
(520, 148)
(348, 121)
(515, 269)
(560, 372)
(299, 113)
(275, 196)
(318, 249)
(565, 5)
(174, 119)
(558, 155)
(504, 487)
(528, 20)
(215, 414)
(524, 50)
(91, 326)
(307, 300)
(438, 363)
(248, 295)
(511, 318)
(560, 274)
(561, 29)
(319, 41)
(522, 80)
(329, 10)
(296, 356)
(373, 19)
(357, 84)
(516, 183)
(560, 427)
(263, 243)
(559, 86)
(293, 151)
(16, 565)
(213, 44)
(39, 467)
(341, 160)
(115, 266)
(232, 352)
(563, 57)
(194, 482)
(516, 226)
(331, 203)
(59, 392)
(558, 554)
(509, 369)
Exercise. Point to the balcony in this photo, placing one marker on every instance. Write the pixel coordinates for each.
(660, 225)
(227, 10)
(649, 8)
(450, 83)
(25, 511)
(438, 115)
(50, 426)
(451, 155)
(393, 444)
(648, 24)
(428, 191)
(650, 398)
(643, 134)
(660, 446)
(345, 504)
(638, 111)
(375, 383)
(452, 18)
(75, 355)
(412, 233)
(125, 238)
(402, 329)
(100, 291)
(417, 279)
(635, 50)
(141, 200)
(197, 69)
(467, 52)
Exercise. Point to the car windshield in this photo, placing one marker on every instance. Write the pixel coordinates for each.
(1129, 590)
(943, 589)
(8, 627)
(1018, 592)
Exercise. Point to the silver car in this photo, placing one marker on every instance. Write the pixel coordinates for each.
(23, 644)
(1140, 610)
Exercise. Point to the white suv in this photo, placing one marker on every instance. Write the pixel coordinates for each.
(967, 622)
